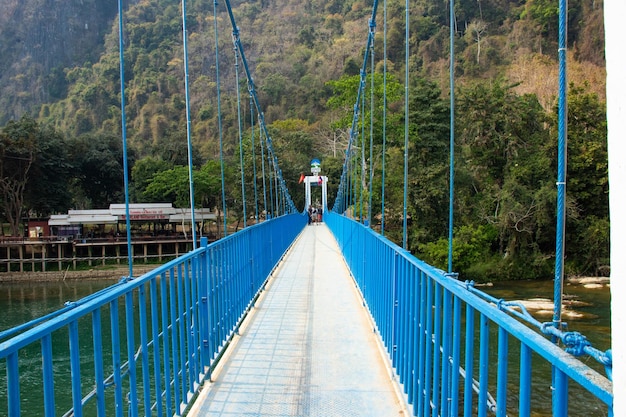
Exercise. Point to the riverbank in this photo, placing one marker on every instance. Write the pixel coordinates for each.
(584, 298)
(97, 273)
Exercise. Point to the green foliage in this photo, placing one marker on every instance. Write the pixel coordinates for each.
(18, 149)
(99, 165)
(47, 192)
(172, 185)
(142, 173)
(587, 181)
(471, 247)
(505, 142)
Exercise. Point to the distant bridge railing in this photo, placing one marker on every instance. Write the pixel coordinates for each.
(145, 345)
(452, 349)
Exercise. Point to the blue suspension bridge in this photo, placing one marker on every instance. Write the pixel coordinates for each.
(286, 318)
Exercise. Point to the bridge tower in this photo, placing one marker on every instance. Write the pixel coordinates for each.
(315, 180)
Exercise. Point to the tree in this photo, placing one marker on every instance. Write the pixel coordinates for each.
(504, 177)
(587, 230)
(18, 149)
(143, 172)
(429, 132)
(172, 185)
(99, 169)
(47, 191)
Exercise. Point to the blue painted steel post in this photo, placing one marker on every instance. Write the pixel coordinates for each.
(167, 357)
(436, 352)
(203, 299)
(116, 354)
(559, 394)
(422, 343)
(428, 349)
(48, 373)
(394, 314)
(96, 324)
(130, 352)
(182, 328)
(156, 352)
(75, 369)
(13, 385)
(174, 341)
(456, 358)
(145, 360)
(469, 359)
(445, 354)
(502, 378)
(483, 367)
(525, 367)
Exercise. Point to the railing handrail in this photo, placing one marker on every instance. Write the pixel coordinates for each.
(351, 234)
(204, 305)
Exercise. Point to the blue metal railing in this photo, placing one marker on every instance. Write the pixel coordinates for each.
(452, 349)
(144, 346)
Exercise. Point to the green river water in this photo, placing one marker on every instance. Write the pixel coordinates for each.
(23, 301)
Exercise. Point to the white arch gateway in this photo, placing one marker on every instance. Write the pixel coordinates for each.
(315, 180)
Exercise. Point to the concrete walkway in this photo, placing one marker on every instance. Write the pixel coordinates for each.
(307, 349)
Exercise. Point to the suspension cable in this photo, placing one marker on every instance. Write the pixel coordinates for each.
(561, 166)
(371, 164)
(355, 180)
(252, 89)
(276, 189)
(129, 244)
(406, 124)
(362, 162)
(265, 208)
(219, 116)
(451, 206)
(382, 191)
(355, 115)
(270, 181)
(188, 113)
(239, 129)
(256, 197)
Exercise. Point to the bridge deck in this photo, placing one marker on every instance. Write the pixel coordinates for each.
(307, 349)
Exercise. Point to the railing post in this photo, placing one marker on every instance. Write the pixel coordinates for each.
(483, 367)
(502, 378)
(394, 317)
(559, 393)
(203, 297)
(13, 385)
(469, 359)
(525, 380)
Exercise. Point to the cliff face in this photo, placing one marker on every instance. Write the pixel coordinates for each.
(40, 37)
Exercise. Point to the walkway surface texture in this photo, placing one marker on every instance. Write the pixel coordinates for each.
(307, 349)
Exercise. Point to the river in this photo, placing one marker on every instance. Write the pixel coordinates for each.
(590, 305)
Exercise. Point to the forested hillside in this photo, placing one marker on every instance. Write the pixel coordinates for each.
(305, 57)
